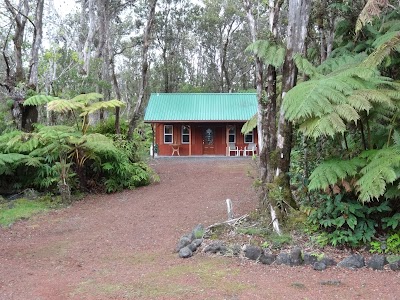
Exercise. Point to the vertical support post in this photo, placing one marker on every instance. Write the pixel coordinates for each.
(229, 209)
(190, 140)
(153, 143)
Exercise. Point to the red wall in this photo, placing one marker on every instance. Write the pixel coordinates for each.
(197, 138)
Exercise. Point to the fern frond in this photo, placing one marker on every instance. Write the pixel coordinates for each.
(341, 62)
(250, 124)
(11, 158)
(38, 100)
(63, 106)
(32, 161)
(382, 170)
(328, 125)
(6, 137)
(332, 171)
(270, 53)
(101, 105)
(372, 9)
(313, 98)
(23, 142)
(87, 98)
(363, 99)
(305, 66)
(384, 50)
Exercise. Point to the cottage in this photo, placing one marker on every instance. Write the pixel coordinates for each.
(202, 123)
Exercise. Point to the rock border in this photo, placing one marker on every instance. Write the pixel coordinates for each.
(189, 243)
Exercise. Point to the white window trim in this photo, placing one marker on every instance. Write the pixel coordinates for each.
(169, 134)
(234, 134)
(182, 134)
(252, 137)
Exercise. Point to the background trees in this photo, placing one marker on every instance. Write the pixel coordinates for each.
(335, 133)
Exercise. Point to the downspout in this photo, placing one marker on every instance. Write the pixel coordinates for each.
(153, 144)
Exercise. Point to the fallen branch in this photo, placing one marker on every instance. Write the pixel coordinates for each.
(232, 222)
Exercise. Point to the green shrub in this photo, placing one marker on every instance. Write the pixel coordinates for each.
(345, 221)
(390, 245)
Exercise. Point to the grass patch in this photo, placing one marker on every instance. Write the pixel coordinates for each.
(22, 209)
(178, 281)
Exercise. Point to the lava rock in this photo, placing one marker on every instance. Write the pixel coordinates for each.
(252, 252)
(183, 242)
(377, 262)
(235, 249)
(192, 247)
(328, 261)
(283, 259)
(354, 261)
(267, 258)
(215, 247)
(185, 252)
(295, 257)
(395, 266)
(319, 266)
(197, 242)
(309, 259)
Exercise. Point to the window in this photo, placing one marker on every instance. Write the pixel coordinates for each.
(168, 134)
(232, 134)
(185, 134)
(248, 138)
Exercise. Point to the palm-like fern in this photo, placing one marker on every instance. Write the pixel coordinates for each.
(332, 171)
(270, 53)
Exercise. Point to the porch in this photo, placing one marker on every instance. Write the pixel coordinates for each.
(203, 139)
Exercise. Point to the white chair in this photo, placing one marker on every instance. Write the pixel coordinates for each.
(250, 148)
(233, 148)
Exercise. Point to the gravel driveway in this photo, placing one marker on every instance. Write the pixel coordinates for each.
(120, 246)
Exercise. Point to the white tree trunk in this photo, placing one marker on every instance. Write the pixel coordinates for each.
(37, 42)
(87, 48)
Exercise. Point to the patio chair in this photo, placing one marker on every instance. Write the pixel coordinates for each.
(233, 148)
(250, 148)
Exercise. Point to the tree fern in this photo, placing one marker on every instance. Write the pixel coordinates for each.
(39, 100)
(101, 105)
(23, 143)
(269, 52)
(305, 66)
(372, 9)
(11, 158)
(64, 106)
(383, 168)
(332, 171)
(387, 44)
(9, 161)
(87, 98)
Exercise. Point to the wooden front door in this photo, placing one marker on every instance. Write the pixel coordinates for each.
(208, 141)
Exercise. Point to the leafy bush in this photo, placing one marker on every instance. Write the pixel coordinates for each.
(390, 245)
(345, 221)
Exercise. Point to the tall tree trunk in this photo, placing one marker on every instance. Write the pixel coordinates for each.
(299, 12)
(20, 15)
(37, 42)
(119, 97)
(145, 65)
(87, 48)
(266, 121)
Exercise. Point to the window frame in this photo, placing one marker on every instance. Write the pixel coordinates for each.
(251, 133)
(232, 134)
(185, 134)
(169, 134)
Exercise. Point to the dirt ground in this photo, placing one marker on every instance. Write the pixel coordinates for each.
(120, 246)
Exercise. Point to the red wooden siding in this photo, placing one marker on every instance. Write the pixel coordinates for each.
(220, 138)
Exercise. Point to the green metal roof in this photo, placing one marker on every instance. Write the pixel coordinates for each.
(201, 107)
